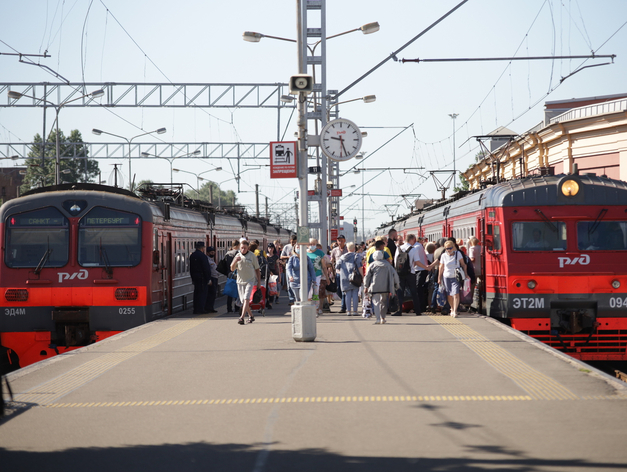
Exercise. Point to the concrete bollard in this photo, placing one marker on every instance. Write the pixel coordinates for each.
(304, 322)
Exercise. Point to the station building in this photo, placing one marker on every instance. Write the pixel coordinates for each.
(586, 135)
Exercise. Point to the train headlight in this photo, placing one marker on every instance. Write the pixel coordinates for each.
(570, 188)
(532, 284)
(615, 284)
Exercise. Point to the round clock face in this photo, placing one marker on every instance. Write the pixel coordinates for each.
(340, 139)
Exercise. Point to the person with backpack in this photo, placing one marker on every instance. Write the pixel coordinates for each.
(412, 268)
(224, 267)
(350, 263)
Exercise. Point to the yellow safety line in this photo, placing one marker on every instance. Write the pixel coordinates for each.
(536, 384)
(56, 388)
(330, 399)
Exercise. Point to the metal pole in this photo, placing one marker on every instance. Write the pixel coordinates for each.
(363, 211)
(57, 176)
(257, 200)
(454, 115)
(302, 147)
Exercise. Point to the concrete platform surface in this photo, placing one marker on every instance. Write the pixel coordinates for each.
(420, 393)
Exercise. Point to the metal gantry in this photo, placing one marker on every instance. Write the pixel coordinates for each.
(150, 95)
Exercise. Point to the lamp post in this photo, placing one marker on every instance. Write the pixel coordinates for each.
(255, 37)
(198, 176)
(454, 115)
(57, 108)
(171, 159)
(98, 132)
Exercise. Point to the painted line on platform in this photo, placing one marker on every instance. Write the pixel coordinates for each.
(319, 399)
(535, 383)
(49, 392)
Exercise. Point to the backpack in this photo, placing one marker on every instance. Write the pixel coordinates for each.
(403, 266)
(262, 266)
(224, 266)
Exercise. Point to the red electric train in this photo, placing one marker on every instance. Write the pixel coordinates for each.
(554, 257)
(82, 262)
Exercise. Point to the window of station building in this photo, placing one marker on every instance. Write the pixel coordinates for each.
(602, 235)
(539, 236)
(109, 238)
(39, 237)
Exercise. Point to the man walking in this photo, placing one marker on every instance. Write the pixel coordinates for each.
(248, 273)
(391, 245)
(336, 253)
(200, 272)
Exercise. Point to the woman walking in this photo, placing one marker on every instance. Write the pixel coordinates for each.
(293, 272)
(450, 259)
(348, 263)
(381, 280)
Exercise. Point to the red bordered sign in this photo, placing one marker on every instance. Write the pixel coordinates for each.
(283, 160)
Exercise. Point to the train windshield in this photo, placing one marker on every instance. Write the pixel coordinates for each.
(539, 236)
(109, 238)
(602, 235)
(37, 238)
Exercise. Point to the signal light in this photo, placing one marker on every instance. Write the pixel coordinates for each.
(570, 188)
(16, 295)
(126, 293)
(532, 284)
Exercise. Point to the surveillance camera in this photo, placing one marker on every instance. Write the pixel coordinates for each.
(301, 83)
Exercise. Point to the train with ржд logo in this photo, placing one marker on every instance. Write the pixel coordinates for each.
(82, 262)
(553, 259)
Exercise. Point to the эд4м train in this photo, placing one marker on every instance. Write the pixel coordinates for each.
(82, 262)
(554, 257)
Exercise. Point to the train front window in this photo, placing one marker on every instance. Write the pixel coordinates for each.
(602, 235)
(109, 238)
(37, 239)
(539, 236)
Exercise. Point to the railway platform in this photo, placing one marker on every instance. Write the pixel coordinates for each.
(420, 393)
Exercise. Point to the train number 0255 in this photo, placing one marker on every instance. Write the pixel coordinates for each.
(127, 311)
(617, 302)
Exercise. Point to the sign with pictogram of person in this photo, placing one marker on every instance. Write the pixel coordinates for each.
(283, 161)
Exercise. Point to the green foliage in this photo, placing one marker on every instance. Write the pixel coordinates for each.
(463, 184)
(220, 197)
(41, 172)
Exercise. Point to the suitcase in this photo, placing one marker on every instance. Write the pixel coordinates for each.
(261, 306)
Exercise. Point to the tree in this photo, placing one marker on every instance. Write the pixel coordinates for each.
(41, 172)
(220, 197)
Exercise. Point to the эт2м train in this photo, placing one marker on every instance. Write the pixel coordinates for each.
(554, 257)
(82, 262)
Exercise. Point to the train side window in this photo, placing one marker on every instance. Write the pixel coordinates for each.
(109, 238)
(539, 236)
(602, 235)
(37, 237)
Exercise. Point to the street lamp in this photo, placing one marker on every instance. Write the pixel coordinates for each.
(17, 95)
(366, 99)
(171, 159)
(255, 37)
(198, 176)
(98, 132)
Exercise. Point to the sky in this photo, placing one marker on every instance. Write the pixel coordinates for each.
(201, 42)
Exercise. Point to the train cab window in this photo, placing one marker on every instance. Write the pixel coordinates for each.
(35, 238)
(602, 235)
(539, 236)
(109, 238)
(496, 237)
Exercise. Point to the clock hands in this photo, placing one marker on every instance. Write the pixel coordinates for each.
(341, 140)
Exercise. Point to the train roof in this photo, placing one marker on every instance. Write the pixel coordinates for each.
(530, 191)
(546, 190)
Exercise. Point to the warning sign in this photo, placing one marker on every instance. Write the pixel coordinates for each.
(283, 162)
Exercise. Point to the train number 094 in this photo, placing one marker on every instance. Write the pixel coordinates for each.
(127, 311)
(617, 302)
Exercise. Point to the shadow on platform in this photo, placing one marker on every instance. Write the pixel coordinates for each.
(236, 457)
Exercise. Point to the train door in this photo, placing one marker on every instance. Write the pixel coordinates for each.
(167, 275)
(494, 268)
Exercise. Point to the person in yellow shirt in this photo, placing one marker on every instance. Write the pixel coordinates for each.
(379, 245)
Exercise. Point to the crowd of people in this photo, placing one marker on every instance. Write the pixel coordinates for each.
(386, 275)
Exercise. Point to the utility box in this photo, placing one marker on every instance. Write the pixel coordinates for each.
(304, 322)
